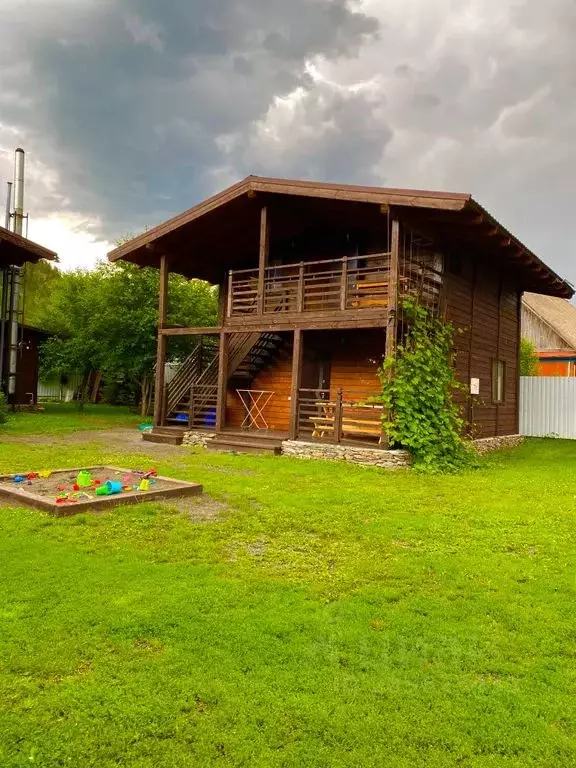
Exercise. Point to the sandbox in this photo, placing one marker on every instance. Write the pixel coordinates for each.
(58, 493)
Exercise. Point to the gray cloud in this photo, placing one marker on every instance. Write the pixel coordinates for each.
(143, 107)
(133, 96)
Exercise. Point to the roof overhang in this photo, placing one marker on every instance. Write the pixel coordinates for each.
(16, 250)
(186, 237)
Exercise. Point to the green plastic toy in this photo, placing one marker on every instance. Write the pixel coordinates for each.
(84, 479)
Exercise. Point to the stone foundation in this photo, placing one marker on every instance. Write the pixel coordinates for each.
(198, 438)
(488, 444)
(370, 457)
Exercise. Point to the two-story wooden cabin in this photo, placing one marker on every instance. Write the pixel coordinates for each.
(311, 277)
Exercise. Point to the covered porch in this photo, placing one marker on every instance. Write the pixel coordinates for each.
(313, 385)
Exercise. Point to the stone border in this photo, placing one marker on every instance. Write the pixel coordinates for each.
(489, 444)
(200, 439)
(369, 457)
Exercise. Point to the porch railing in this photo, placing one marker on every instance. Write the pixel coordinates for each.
(312, 286)
(334, 416)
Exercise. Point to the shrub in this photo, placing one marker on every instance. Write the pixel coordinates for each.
(529, 363)
(3, 409)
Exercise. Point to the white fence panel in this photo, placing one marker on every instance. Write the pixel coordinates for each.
(548, 406)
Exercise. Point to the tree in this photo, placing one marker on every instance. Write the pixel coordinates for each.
(106, 320)
(529, 363)
(39, 280)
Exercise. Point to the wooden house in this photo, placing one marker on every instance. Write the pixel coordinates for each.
(550, 324)
(19, 343)
(311, 279)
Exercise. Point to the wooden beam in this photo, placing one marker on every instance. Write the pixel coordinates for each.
(404, 198)
(263, 256)
(211, 331)
(162, 343)
(313, 321)
(222, 381)
(392, 325)
(296, 378)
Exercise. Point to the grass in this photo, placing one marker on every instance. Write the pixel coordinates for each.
(333, 616)
(63, 418)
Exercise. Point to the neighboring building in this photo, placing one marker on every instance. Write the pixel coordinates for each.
(550, 324)
(311, 277)
(18, 342)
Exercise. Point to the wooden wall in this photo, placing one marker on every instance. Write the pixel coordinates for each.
(484, 305)
(277, 379)
(356, 357)
(540, 333)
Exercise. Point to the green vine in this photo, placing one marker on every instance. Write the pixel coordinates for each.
(418, 387)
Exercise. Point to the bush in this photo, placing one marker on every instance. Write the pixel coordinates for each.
(529, 364)
(3, 409)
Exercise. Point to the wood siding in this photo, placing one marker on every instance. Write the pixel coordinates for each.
(277, 379)
(484, 305)
(544, 338)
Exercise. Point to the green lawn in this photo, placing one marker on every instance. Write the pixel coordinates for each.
(333, 616)
(62, 418)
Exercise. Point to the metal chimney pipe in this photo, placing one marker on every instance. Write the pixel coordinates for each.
(8, 204)
(19, 190)
(16, 273)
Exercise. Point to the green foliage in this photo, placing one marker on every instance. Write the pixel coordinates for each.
(106, 319)
(39, 283)
(418, 388)
(3, 409)
(330, 615)
(529, 363)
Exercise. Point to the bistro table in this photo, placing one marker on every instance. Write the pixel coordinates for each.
(254, 402)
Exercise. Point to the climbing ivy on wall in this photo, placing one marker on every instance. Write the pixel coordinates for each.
(418, 388)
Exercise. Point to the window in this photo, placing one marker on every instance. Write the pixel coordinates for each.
(498, 381)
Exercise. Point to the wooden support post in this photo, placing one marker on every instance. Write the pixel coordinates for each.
(344, 284)
(300, 296)
(222, 381)
(263, 257)
(338, 417)
(296, 379)
(162, 344)
(228, 288)
(392, 325)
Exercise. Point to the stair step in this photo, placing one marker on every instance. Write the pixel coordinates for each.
(162, 437)
(245, 445)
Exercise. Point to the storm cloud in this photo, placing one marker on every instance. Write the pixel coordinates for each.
(133, 110)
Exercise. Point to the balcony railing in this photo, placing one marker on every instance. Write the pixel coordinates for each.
(312, 286)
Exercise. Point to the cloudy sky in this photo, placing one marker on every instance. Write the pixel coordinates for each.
(133, 110)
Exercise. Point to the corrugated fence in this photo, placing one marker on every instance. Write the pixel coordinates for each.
(548, 406)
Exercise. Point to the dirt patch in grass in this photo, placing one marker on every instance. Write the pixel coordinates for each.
(200, 509)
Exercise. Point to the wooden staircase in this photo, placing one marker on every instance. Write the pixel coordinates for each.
(192, 393)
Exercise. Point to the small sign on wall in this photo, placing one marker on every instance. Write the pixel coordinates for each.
(474, 386)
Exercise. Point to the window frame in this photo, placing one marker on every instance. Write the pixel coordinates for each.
(498, 381)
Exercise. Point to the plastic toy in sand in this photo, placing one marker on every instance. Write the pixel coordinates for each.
(144, 485)
(84, 479)
(113, 486)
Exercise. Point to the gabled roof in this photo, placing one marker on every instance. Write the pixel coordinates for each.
(16, 250)
(558, 314)
(209, 232)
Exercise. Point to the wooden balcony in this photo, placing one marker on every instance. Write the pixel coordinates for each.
(329, 287)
